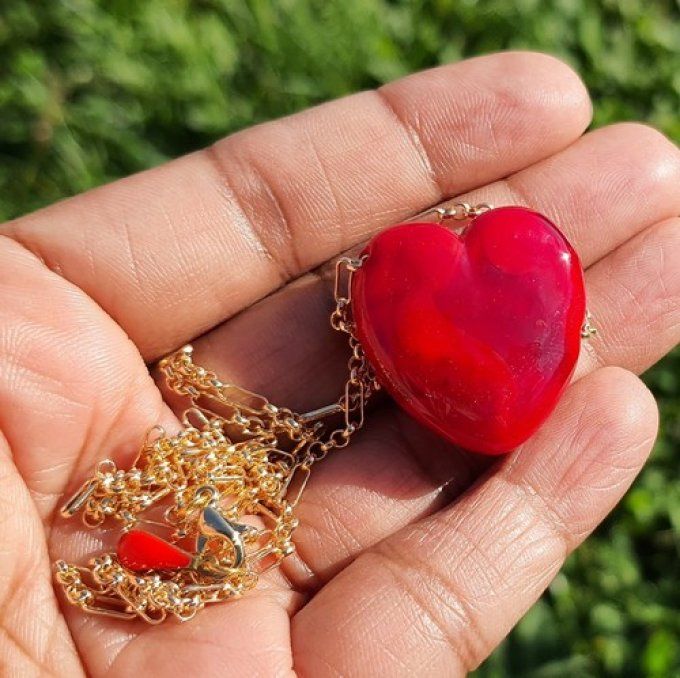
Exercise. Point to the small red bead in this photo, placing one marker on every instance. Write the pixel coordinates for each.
(138, 551)
(475, 335)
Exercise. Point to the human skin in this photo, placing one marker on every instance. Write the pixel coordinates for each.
(413, 558)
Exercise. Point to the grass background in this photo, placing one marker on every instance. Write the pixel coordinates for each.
(91, 90)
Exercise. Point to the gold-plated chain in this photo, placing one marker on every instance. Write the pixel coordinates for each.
(361, 383)
(239, 461)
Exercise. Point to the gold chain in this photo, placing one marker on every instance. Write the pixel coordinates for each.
(239, 461)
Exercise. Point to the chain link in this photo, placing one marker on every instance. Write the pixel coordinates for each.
(361, 383)
(459, 211)
(588, 329)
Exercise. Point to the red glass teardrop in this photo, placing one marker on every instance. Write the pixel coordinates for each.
(475, 335)
(139, 551)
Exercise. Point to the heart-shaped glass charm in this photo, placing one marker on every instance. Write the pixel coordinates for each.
(474, 334)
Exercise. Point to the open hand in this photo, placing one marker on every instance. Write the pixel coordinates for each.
(413, 558)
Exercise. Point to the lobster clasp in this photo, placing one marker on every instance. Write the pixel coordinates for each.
(212, 524)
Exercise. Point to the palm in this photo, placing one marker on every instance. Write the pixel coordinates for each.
(390, 577)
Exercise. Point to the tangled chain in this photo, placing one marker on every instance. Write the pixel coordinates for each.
(237, 454)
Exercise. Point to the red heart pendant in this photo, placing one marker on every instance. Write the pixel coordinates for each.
(475, 335)
(139, 551)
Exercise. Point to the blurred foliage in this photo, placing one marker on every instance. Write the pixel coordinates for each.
(91, 90)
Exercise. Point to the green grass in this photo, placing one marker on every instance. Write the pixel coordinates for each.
(93, 90)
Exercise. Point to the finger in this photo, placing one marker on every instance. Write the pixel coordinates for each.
(73, 388)
(247, 637)
(446, 590)
(394, 473)
(173, 251)
(602, 190)
(634, 293)
(34, 639)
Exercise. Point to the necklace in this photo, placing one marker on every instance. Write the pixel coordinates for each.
(472, 323)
